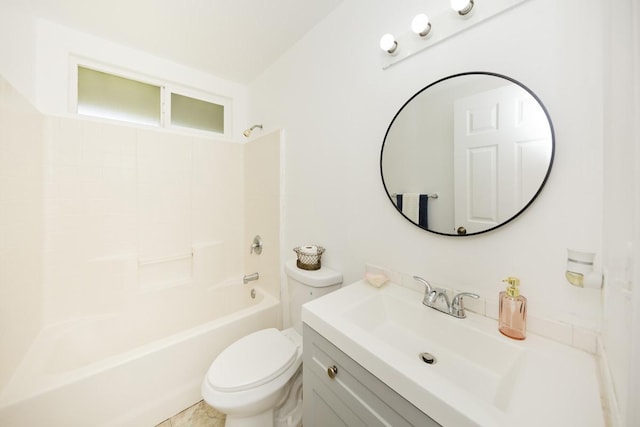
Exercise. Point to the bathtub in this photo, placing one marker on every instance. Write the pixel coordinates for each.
(134, 368)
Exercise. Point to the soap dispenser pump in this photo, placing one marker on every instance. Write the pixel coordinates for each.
(513, 311)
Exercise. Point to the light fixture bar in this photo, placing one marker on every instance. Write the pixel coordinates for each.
(445, 23)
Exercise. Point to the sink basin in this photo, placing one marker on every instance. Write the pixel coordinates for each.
(478, 362)
(479, 378)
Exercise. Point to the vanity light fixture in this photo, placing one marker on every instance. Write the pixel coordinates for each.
(463, 7)
(460, 16)
(421, 25)
(389, 44)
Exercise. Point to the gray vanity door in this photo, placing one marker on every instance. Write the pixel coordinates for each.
(340, 392)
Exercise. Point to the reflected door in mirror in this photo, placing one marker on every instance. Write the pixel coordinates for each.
(502, 149)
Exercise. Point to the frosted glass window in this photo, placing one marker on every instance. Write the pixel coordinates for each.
(113, 97)
(196, 114)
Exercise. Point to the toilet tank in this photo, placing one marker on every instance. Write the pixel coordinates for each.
(306, 285)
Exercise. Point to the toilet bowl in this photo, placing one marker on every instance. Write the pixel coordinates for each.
(248, 379)
(257, 380)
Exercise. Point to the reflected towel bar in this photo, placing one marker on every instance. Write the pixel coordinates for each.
(431, 196)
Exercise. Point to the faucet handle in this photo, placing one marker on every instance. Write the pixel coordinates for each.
(428, 289)
(429, 293)
(457, 305)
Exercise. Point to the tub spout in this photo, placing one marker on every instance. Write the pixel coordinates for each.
(250, 278)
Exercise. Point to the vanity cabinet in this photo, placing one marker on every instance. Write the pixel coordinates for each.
(340, 392)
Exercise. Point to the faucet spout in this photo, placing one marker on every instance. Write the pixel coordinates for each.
(439, 292)
(250, 277)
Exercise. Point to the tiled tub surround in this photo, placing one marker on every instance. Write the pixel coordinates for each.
(154, 350)
(171, 203)
(21, 230)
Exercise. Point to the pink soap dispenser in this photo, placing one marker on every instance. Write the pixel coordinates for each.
(513, 311)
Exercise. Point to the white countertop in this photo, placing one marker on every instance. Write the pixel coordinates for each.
(550, 385)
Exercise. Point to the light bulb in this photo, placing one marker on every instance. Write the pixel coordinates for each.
(462, 6)
(388, 43)
(421, 25)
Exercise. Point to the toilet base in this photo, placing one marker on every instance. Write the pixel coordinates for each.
(289, 411)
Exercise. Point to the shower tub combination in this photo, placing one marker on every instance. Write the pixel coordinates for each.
(135, 368)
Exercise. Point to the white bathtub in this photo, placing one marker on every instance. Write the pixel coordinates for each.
(135, 368)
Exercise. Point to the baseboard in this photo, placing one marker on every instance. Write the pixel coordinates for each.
(610, 407)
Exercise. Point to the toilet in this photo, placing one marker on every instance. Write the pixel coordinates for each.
(257, 380)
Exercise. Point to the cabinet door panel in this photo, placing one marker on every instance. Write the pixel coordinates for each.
(353, 395)
(324, 409)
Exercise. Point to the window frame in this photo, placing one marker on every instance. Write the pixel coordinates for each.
(166, 89)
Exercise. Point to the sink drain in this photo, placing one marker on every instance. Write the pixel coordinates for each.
(428, 358)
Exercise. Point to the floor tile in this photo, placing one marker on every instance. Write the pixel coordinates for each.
(199, 415)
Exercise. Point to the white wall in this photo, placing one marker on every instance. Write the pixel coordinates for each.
(17, 55)
(336, 102)
(621, 208)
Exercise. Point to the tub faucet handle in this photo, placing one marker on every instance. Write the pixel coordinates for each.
(256, 245)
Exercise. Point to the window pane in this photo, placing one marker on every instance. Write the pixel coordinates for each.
(112, 97)
(196, 114)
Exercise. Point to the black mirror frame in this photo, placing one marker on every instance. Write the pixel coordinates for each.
(542, 184)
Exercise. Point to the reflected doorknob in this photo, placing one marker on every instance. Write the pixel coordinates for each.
(461, 231)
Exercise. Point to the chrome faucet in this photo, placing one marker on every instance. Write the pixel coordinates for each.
(250, 278)
(431, 296)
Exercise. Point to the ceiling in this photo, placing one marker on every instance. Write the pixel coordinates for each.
(232, 39)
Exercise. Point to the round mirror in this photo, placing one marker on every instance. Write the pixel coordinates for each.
(467, 154)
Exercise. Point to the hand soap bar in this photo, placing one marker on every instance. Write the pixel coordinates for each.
(512, 320)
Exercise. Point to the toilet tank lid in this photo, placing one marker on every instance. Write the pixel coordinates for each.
(315, 278)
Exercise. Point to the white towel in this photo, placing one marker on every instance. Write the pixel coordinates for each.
(411, 206)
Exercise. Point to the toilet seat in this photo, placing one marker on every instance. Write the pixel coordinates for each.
(252, 361)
